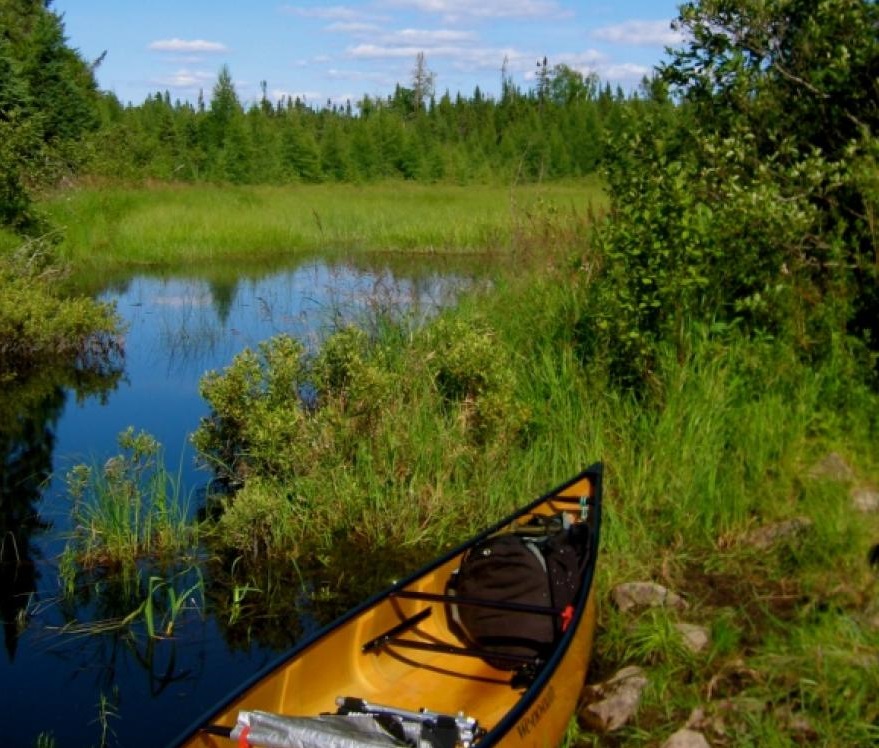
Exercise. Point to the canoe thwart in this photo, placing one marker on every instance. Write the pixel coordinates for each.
(479, 602)
(395, 631)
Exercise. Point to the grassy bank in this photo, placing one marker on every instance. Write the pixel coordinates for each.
(416, 437)
(175, 224)
(42, 328)
(423, 437)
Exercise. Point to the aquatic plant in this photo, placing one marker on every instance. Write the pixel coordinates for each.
(129, 508)
(160, 612)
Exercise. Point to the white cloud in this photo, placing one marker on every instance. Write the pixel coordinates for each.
(353, 27)
(586, 62)
(456, 9)
(640, 33)
(384, 51)
(327, 13)
(186, 79)
(623, 71)
(429, 38)
(465, 59)
(187, 45)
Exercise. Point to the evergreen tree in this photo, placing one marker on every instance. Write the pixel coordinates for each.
(48, 100)
(335, 160)
(224, 108)
(299, 155)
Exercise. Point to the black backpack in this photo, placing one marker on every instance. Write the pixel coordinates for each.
(542, 571)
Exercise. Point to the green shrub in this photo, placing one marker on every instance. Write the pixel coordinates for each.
(39, 326)
(474, 375)
(260, 521)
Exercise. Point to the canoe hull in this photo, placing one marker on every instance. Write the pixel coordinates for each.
(421, 663)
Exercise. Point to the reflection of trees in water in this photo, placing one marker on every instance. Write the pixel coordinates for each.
(287, 602)
(223, 292)
(381, 293)
(29, 411)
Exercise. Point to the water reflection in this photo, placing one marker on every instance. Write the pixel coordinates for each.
(180, 324)
(29, 412)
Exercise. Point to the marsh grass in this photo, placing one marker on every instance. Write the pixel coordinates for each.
(128, 509)
(417, 436)
(723, 445)
(173, 225)
(147, 603)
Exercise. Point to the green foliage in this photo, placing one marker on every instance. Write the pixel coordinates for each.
(128, 509)
(263, 520)
(39, 326)
(746, 205)
(174, 224)
(48, 100)
(258, 420)
(164, 603)
(526, 136)
(345, 438)
(472, 372)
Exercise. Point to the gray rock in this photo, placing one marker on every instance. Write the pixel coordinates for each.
(686, 738)
(865, 499)
(832, 467)
(632, 595)
(768, 535)
(696, 638)
(609, 705)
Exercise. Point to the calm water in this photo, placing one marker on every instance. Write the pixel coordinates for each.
(179, 327)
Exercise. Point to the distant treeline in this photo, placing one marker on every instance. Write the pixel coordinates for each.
(55, 123)
(554, 130)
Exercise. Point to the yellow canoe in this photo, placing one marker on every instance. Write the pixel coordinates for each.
(403, 658)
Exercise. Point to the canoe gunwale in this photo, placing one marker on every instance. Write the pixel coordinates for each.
(545, 668)
(545, 674)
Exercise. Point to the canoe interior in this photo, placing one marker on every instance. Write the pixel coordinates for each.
(334, 664)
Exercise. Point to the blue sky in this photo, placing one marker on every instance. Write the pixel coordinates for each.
(340, 51)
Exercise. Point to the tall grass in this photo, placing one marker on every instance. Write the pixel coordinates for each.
(723, 445)
(128, 509)
(170, 224)
(412, 438)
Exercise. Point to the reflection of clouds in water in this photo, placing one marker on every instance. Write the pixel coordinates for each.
(203, 300)
(178, 328)
(183, 327)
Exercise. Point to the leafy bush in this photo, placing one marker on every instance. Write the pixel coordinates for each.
(38, 325)
(322, 442)
(260, 521)
(727, 210)
(258, 416)
(474, 375)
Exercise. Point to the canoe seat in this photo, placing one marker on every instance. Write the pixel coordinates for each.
(356, 724)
